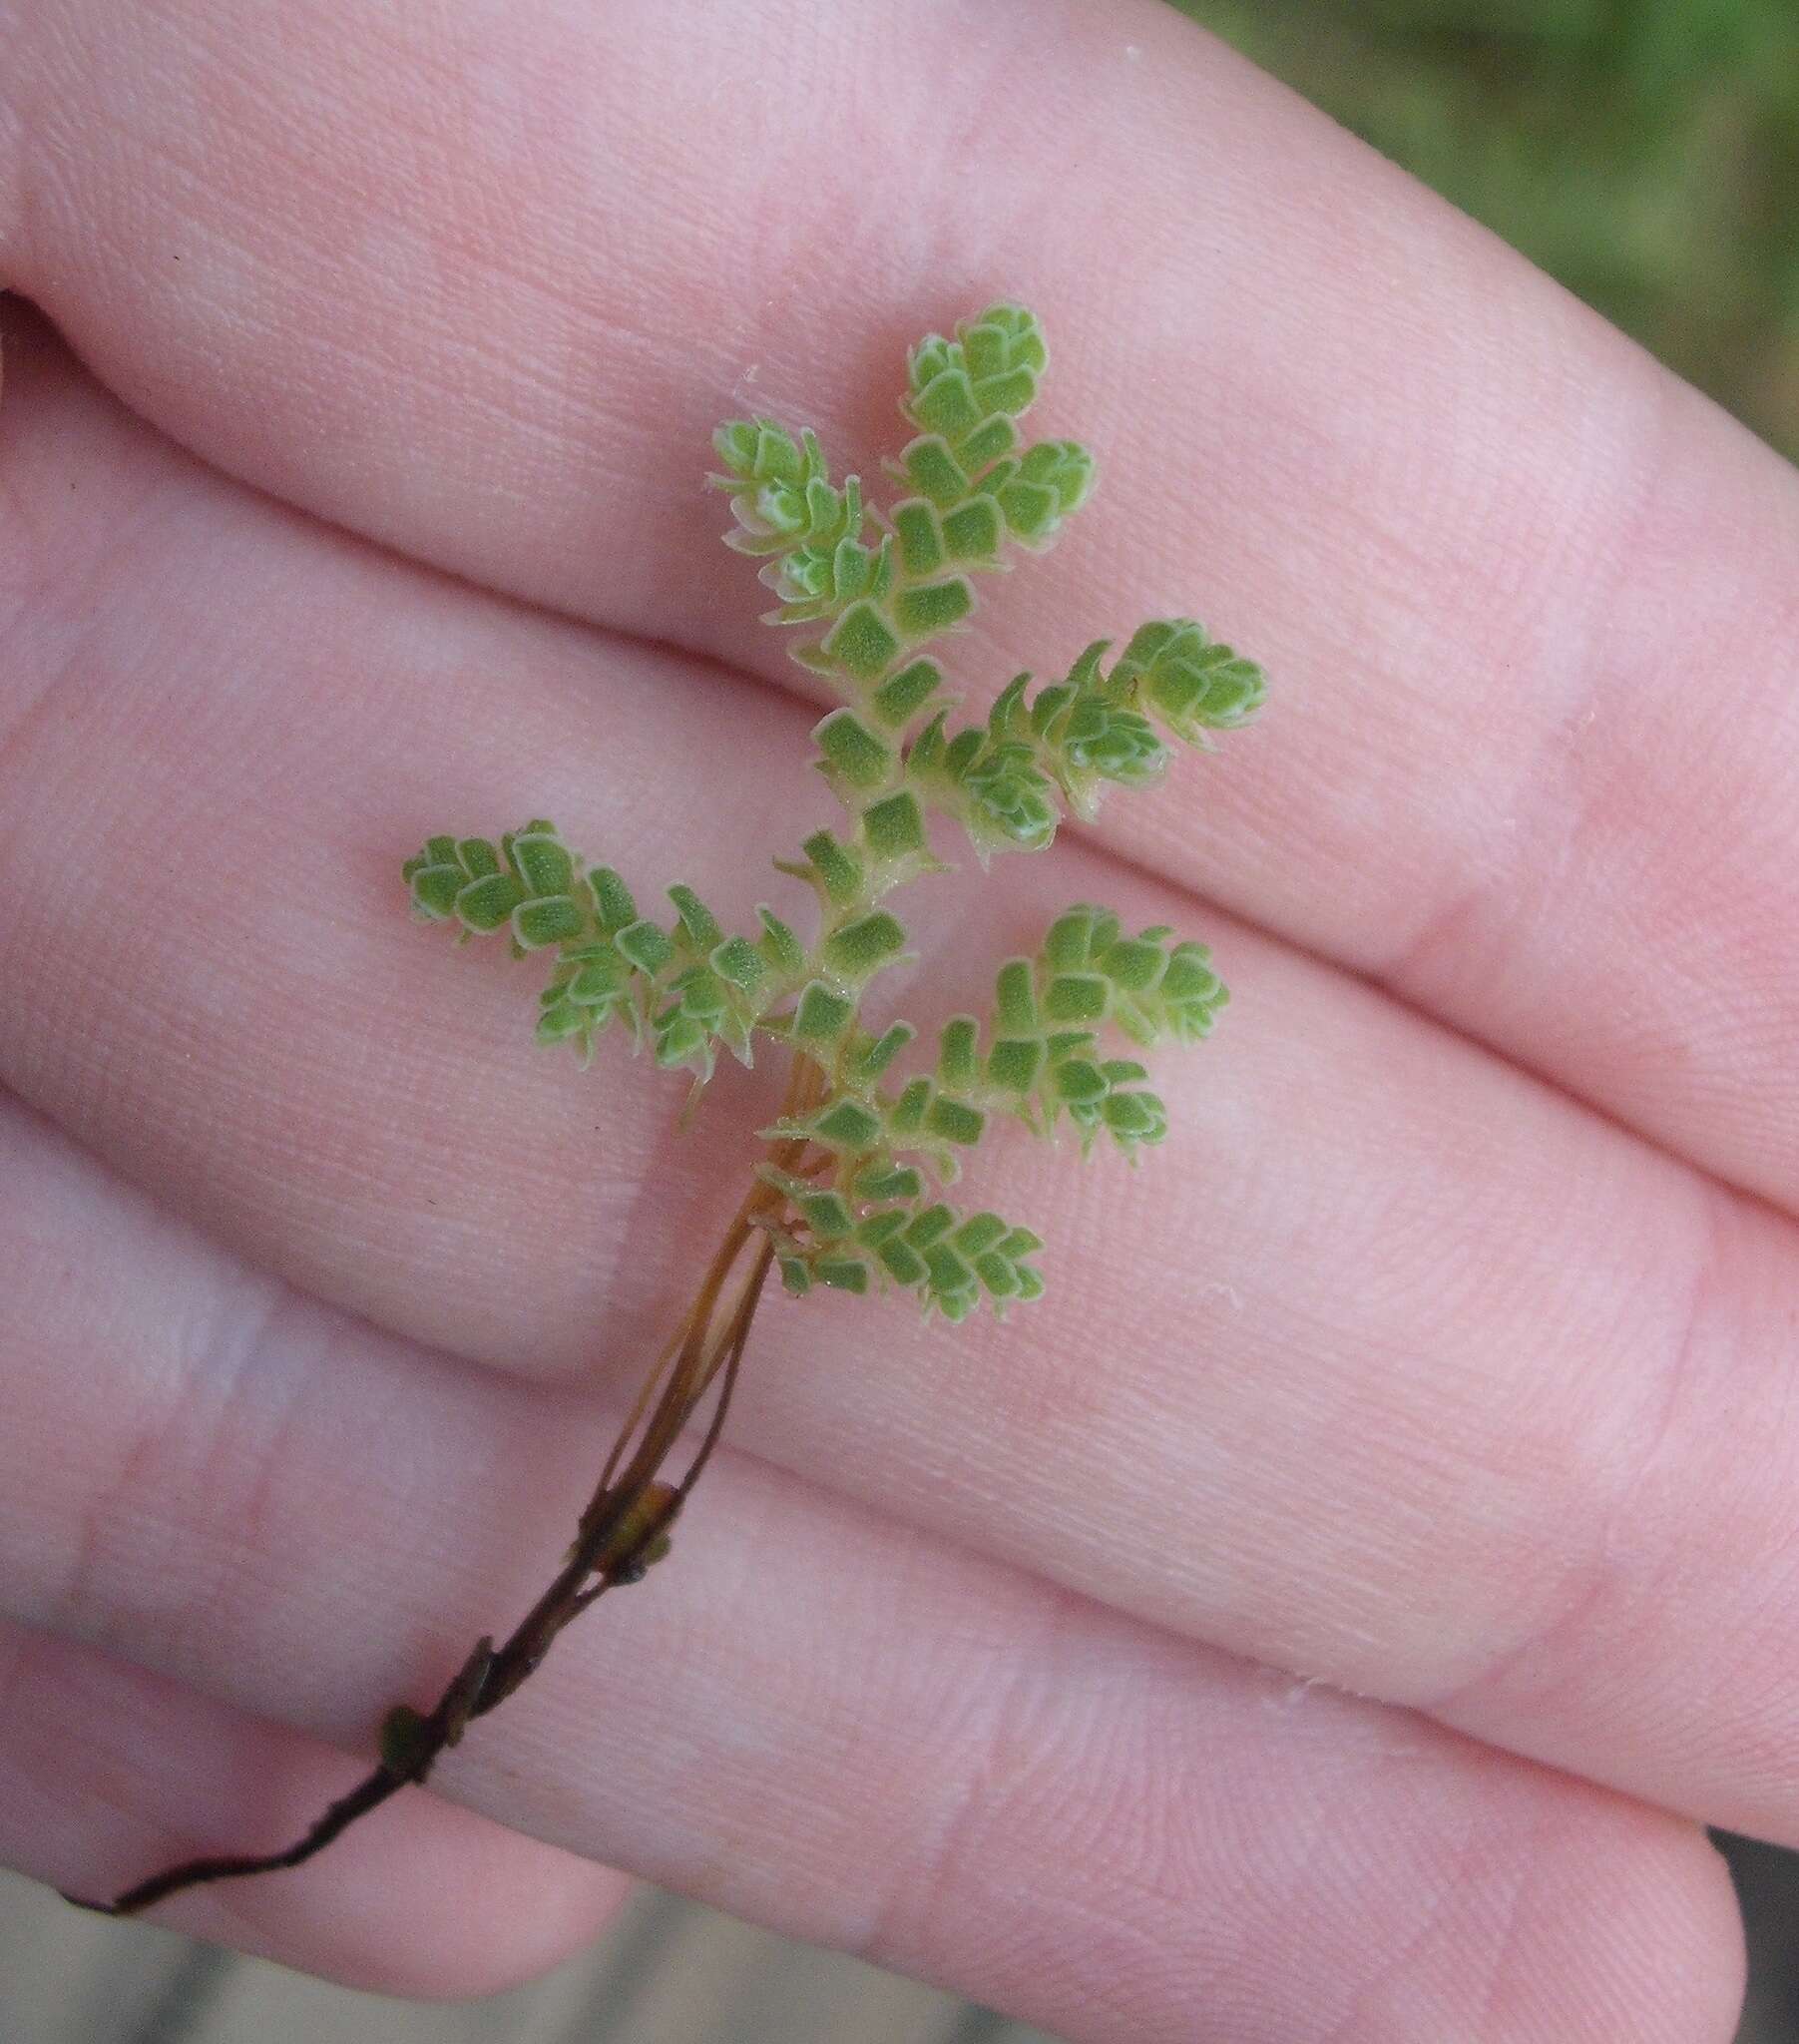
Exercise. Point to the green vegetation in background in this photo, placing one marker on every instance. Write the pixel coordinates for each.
(1644, 151)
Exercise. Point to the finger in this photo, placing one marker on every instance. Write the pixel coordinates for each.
(104, 1764)
(1503, 568)
(1531, 1509)
(810, 1717)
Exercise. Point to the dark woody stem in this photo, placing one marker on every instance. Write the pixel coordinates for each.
(624, 1529)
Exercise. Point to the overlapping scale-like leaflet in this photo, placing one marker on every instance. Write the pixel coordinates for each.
(1039, 1058)
(1189, 680)
(920, 1119)
(1004, 779)
(990, 783)
(681, 989)
(1153, 989)
(972, 488)
(787, 508)
(877, 1225)
(527, 881)
(1044, 1058)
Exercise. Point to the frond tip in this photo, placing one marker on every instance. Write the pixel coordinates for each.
(1194, 683)
(682, 989)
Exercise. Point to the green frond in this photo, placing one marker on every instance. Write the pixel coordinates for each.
(1036, 493)
(990, 368)
(761, 454)
(788, 510)
(893, 844)
(705, 987)
(869, 1055)
(682, 989)
(862, 1211)
(1085, 737)
(972, 491)
(854, 759)
(778, 945)
(1150, 988)
(780, 492)
(857, 952)
(893, 831)
(1039, 1057)
(589, 987)
(1005, 780)
(527, 883)
(836, 870)
(890, 847)
(902, 696)
(989, 784)
(819, 580)
(1189, 680)
(972, 488)
(923, 1119)
(882, 1229)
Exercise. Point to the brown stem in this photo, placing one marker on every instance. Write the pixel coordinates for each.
(624, 1528)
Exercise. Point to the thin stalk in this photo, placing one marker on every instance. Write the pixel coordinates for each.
(624, 1528)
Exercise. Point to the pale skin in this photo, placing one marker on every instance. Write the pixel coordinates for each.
(1332, 1612)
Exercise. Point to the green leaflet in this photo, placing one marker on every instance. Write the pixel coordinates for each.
(884, 1229)
(681, 989)
(1190, 682)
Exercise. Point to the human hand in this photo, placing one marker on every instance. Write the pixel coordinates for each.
(1443, 1355)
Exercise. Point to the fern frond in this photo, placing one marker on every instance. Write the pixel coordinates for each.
(972, 491)
(882, 1228)
(877, 588)
(1005, 780)
(682, 989)
(1191, 681)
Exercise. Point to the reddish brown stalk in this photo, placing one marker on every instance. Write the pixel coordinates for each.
(624, 1528)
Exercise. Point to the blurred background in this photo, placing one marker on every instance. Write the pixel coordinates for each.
(1646, 154)
(1644, 151)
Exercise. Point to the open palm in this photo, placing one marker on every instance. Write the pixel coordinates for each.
(1327, 1614)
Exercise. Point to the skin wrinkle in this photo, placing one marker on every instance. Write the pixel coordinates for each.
(75, 620)
(1368, 2017)
(1467, 1874)
(12, 156)
(184, 1442)
(1567, 1637)
(1546, 787)
(1305, 1840)
(1128, 1974)
(949, 1854)
(1499, 1985)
